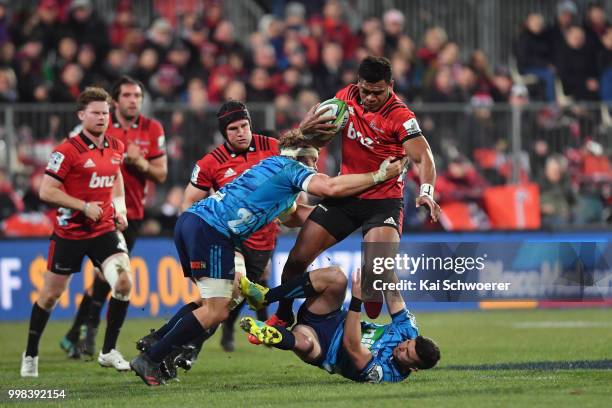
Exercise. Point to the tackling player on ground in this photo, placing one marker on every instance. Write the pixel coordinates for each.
(209, 232)
(83, 179)
(336, 340)
(145, 160)
(379, 125)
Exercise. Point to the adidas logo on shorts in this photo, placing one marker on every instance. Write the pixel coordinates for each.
(391, 221)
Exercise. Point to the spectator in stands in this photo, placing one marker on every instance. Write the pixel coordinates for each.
(31, 198)
(404, 76)
(461, 183)
(116, 64)
(224, 38)
(291, 82)
(443, 90)
(375, 44)
(556, 195)
(147, 64)
(236, 91)
(434, 40)
(68, 87)
(179, 56)
(534, 55)
(595, 25)
(566, 17)
(259, 88)
(604, 65)
(160, 37)
(92, 74)
(122, 24)
(334, 27)
(165, 84)
(66, 53)
(8, 85)
(328, 75)
(87, 27)
(393, 27)
(595, 182)
(170, 209)
(502, 85)
(578, 67)
(10, 202)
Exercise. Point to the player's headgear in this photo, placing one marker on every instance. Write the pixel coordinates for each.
(229, 112)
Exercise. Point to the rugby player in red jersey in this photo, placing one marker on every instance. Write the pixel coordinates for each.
(380, 125)
(83, 179)
(145, 160)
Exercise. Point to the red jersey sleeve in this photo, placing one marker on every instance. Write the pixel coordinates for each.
(158, 140)
(202, 174)
(404, 124)
(60, 162)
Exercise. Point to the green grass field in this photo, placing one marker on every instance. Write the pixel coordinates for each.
(528, 358)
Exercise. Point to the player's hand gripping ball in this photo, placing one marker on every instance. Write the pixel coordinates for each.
(323, 123)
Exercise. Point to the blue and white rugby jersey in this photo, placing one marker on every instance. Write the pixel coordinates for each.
(255, 198)
(380, 340)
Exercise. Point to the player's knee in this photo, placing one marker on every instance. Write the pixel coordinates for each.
(123, 287)
(334, 278)
(338, 277)
(48, 300)
(116, 270)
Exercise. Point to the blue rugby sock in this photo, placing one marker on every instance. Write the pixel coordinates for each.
(185, 330)
(188, 308)
(288, 341)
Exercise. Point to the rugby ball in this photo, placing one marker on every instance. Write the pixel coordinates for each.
(339, 110)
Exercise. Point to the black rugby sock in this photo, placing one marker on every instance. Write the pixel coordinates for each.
(300, 287)
(117, 310)
(38, 321)
(79, 319)
(99, 293)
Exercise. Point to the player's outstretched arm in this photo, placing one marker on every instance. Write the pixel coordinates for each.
(351, 339)
(419, 152)
(350, 184)
(51, 192)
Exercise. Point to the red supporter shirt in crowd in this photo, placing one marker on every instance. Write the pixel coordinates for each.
(87, 173)
(370, 137)
(148, 134)
(222, 165)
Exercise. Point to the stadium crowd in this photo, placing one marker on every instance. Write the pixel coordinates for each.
(191, 56)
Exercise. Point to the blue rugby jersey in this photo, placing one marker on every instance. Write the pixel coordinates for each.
(380, 340)
(255, 198)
